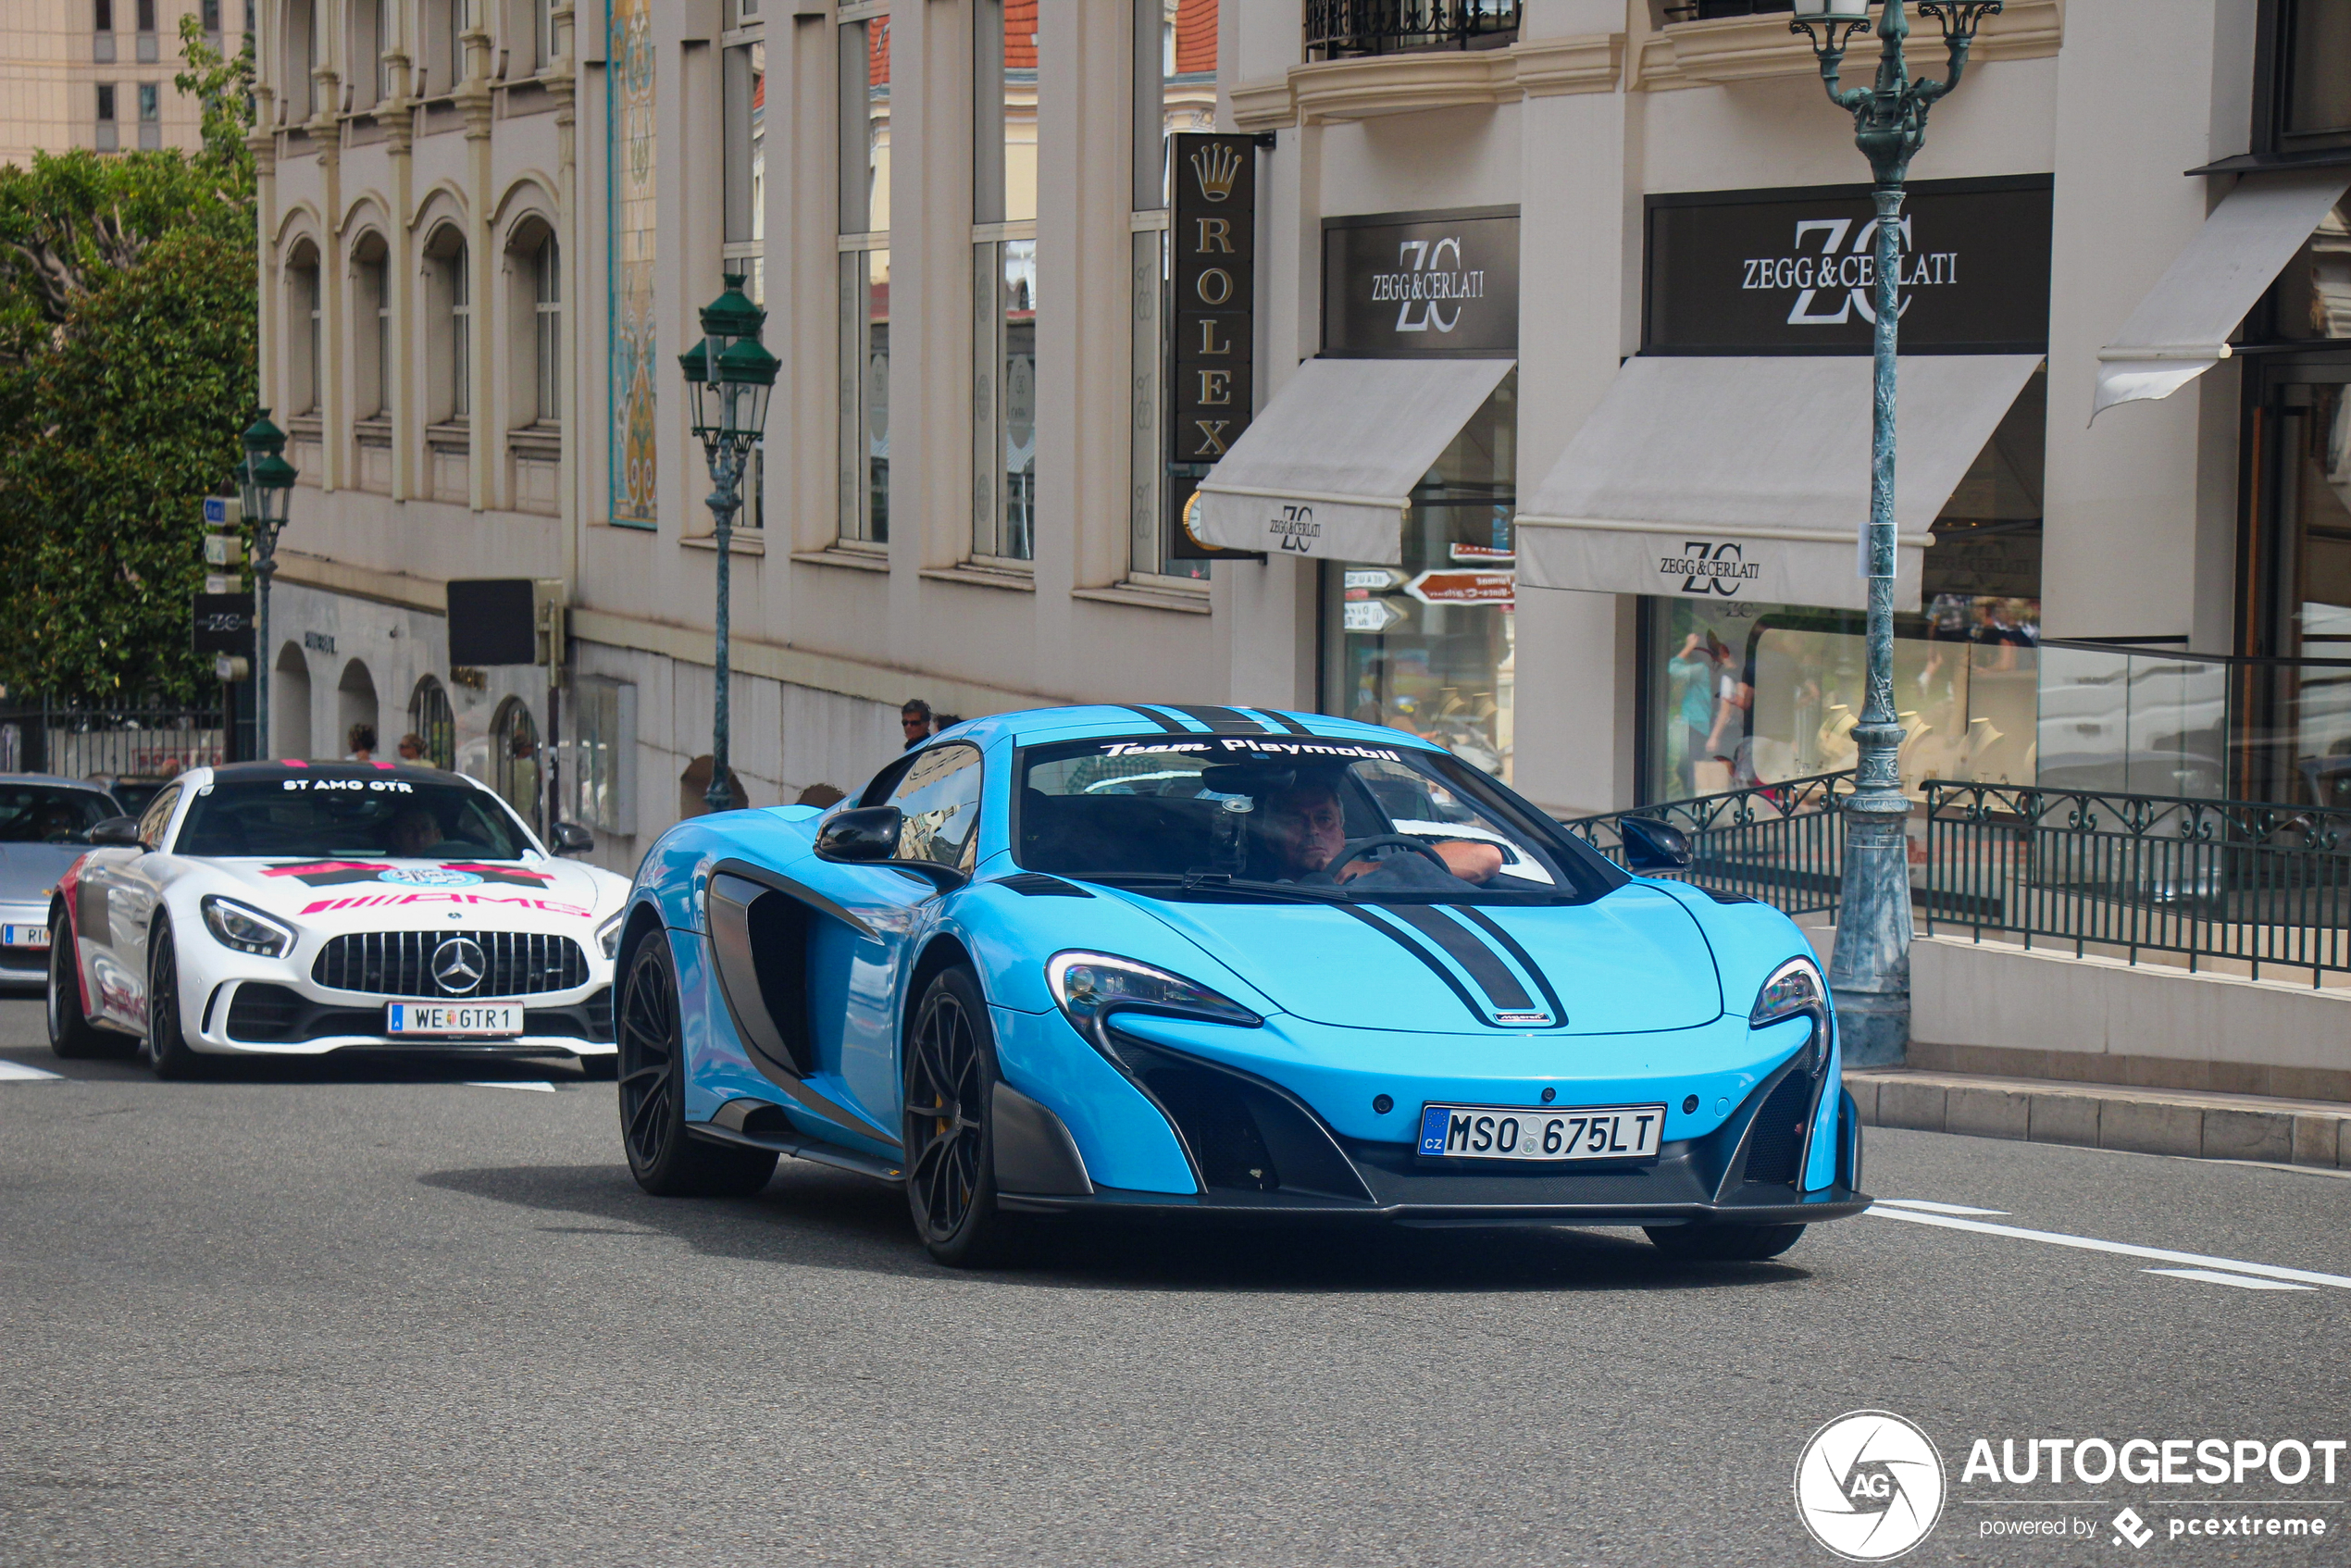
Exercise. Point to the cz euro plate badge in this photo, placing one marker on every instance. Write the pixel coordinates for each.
(497, 1018)
(1521, 1132)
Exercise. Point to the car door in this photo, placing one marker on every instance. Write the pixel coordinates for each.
(138, 889)
(849, 931)
(114, 900)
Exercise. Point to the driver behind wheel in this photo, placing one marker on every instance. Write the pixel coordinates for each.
(1303, 828)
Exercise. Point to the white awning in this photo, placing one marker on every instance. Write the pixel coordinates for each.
(2181, 328)
(1748, 479)
(1326, 469)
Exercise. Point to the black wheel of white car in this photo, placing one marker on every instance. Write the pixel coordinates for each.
(1724, 1243)
(70, 1032)
(167, 1046)
(668, 1160)
(951, 1153)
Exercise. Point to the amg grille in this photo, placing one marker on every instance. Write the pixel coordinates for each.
(400, 962)
(1778, 1139)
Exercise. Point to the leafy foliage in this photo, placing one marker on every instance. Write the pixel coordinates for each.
(127, 327)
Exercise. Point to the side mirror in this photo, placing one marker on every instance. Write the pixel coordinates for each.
(570, 838)
(867, 833)
(1651, 845)
(117, 833)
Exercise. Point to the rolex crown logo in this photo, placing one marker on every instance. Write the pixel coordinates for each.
(1216, 168)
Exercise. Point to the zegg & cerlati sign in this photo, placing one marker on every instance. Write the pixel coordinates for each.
(1397, 285)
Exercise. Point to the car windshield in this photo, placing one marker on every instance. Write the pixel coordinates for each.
(1306, 816)
(328, 816)
(48, 814)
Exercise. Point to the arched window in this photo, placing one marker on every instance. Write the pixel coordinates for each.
(290, 703)
(302, 313)
(547, 314)
(430, 721)
(371, 328)
(355, 721)
(513, 759)
(532, 324)
(449, 289)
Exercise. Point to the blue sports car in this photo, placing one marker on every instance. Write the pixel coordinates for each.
(1223, 962)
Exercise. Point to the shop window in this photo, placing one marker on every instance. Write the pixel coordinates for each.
(605, 720)
(862, 226)
(1440, 668)
(1738, 694)
(2303, 98)
(1004, 97)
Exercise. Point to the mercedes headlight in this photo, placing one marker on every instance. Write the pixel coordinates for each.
(1091, 986)
(245, 929)
(1795, 986)
(608, 936)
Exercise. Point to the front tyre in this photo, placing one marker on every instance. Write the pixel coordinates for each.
(72, 1035)
(1723, 1243)
(166, 1044)
(951, 1151)
(666, 1161)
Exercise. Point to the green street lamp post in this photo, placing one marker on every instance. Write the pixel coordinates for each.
(729, 375)
(1870, 973)
(264, 483)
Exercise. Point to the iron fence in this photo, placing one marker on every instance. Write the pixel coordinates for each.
(141, 743)
(2260, 883)
(1341, 29)
(1782, 843)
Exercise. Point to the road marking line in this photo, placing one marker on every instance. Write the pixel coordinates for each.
(512, 1083)
(1933, 1208)
(2214, 1276)
(17, 1071)
(2124, 1249)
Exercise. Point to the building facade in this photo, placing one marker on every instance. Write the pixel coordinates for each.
(97, 74)
(1508, 385)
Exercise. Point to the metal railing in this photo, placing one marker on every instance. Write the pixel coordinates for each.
(109, 742)
(1341, 29)
(2258, 883)
(1782, 843)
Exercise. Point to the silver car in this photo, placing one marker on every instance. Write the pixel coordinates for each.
(44, 826)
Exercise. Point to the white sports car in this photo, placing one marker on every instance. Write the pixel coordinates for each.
(294, 909)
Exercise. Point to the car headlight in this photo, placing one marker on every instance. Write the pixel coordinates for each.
(1795, 986)
(1091, 986)
(608, 936)
(246, 929)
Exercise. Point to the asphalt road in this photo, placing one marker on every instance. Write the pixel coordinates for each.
(349, 1313)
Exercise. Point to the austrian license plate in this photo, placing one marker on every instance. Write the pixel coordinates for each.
(453, 1019)
(24, 935)
(1517, 1132)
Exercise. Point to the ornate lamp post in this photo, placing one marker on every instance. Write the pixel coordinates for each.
(264, 483)
(1871, 970)
(729, 375)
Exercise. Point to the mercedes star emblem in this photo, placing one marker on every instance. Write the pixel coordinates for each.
(458, 966)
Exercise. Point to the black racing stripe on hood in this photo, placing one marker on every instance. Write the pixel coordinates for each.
(1221, 721)
(1283, 722)
(1461, 944)
(1509, 944)
(1160, 719)
(1435, 965)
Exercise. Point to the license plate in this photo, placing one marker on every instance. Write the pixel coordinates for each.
(453, 1019)
(24, 935)
(1518, 1132)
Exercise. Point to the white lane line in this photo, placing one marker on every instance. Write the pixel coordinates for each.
(2214, 1276)
(1930, 1206)
(512, 1083)
(17, 1071)
(2092, 1244)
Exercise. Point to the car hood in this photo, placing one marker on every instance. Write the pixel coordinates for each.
(29, 872)
(375, 895)
(1633, 961)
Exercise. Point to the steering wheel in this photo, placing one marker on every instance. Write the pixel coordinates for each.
(1354, 849)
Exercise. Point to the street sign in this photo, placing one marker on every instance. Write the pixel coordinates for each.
(1464, 586)
(1482, 554)
(223, 512)
(1372, 579)
(224, 550)
(1373, 616)
(221, 623)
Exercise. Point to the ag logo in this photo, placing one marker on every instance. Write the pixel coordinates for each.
(427, 877)
(1870, 1486)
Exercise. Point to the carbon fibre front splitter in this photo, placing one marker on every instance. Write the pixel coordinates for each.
(1750, 1204)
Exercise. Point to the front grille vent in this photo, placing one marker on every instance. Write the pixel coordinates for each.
(400, 962)
(1777, 1141)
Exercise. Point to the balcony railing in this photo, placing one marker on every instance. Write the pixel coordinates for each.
(1339, 30)
(1782, 843)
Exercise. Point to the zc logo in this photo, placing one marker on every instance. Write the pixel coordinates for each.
(1297, 528)
(1705, 564)
(1432, 279)
(1847, 272)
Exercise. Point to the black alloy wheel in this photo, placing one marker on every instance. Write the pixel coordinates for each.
(1724, 1243)
(950, 1166)
(167, 1047)
(667, 1160)
(71, 1034)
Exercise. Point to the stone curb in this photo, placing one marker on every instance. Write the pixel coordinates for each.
(2208, 1127)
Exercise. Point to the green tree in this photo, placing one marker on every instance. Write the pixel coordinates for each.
(128, 325)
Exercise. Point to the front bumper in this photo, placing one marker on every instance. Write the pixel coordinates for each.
(1580, 1199)
(24, 965)
(256, 1016)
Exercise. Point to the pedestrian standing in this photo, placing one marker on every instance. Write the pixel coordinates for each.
(362, 744)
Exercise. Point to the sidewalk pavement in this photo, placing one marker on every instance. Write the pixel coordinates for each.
(2148, 1121)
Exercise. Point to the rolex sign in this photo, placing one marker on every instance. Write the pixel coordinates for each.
(1212, 239)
